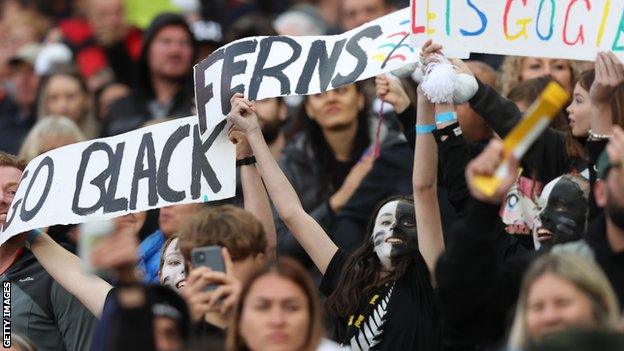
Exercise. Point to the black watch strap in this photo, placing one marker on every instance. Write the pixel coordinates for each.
(246, 161)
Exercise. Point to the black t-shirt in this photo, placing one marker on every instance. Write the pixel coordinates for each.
(402, 315)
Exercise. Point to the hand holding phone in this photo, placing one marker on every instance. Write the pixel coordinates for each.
(208, 256)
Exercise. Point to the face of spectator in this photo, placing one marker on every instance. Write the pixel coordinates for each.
(9, 180)
(519, 210)
(243, 268)
(172, 272)
(535, 67)
(357, 12)
(562, 218)
(271, 115)
(107, 20)
(615, 198)
(170, 54)
(24, 83)
(275, 315)
(394, 233)
(64, 97)
(579, 112)
(555, 304)
(335, 109)
(134, 221)
(172, 218)
(167, 335)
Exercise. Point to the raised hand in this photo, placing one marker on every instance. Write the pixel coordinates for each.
(243, 115)
(390, 90)
(486, 164)
(238, 138)
(609, 74)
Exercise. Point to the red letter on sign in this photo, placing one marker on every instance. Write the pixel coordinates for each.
(416, 29)
(581, 35)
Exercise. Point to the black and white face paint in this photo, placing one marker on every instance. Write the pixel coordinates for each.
(563, 214)
(394, 233)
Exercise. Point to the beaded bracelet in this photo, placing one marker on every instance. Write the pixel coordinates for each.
(596, 137)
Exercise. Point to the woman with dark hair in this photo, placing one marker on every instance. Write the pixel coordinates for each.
(381, 296)
(331, 152)
(278, 309)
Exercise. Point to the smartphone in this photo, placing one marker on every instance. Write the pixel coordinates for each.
(208, 256)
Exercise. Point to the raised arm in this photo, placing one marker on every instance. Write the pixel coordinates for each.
(255, 197)
(67, 269)
(609, 75)
(307, 231)
(424, 181)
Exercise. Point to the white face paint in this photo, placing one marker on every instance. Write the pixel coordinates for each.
(172, 272)
(382, 231)
(541, 205)
(394, 233)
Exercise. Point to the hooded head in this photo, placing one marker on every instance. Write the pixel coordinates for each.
(167, 21)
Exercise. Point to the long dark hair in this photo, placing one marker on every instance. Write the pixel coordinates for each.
(315, 139)
(360, 273)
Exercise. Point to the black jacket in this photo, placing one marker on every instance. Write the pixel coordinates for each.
(548, 156)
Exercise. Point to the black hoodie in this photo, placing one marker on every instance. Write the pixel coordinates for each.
(132, 111)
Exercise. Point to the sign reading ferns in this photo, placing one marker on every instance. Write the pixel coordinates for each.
(263, 67)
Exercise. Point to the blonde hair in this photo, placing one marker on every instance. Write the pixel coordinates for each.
(88, 123)
(48, 127)
(585, 275)
(511, 72)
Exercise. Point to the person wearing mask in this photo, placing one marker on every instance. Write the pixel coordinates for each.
(164, 84)
(381, 295)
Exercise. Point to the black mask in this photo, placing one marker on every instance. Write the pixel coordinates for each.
(394, 234)
(565, 213)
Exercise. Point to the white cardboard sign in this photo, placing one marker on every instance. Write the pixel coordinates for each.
(567, 29)
(151, 167)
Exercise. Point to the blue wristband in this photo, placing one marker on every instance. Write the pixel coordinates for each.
(31, 236)
(425, 128)
(449, 116)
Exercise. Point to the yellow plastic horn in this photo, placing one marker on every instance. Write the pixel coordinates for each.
(524, 134)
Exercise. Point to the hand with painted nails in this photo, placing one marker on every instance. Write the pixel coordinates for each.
(243, 115)
(609, 75)
(486, 164)
(389, 89)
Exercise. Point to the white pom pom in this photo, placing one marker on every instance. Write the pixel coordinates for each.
(406, 70)
(466, 87)
(439, 81)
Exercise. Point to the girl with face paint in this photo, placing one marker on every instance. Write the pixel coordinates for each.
(381, 296)
(562, 213)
